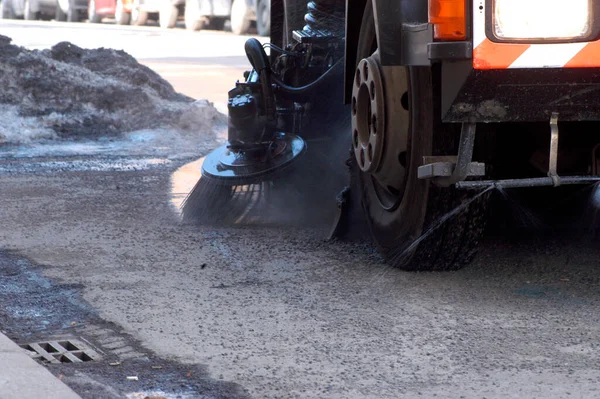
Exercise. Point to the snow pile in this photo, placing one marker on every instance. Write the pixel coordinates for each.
(67, 92)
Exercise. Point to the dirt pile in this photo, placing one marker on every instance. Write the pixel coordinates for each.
(71, 92)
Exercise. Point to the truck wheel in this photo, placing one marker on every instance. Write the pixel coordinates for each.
(59, 15)
(395, 119)
(93, 16)
(240, 17)
(139, 17)
(193, 20)
(167, 16)
(28, 13)
(122, 17)
(263, 17)
(72, 15)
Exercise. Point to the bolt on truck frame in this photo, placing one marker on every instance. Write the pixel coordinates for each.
(446, 99)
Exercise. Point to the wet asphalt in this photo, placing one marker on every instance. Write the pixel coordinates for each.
(279, 312)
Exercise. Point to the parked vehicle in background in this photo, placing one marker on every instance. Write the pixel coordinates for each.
(244, 12)
(166, 11)
(61, 10)
(120, 10)
(70, 10)
(202, 14)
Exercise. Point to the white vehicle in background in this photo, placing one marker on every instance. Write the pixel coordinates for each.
(60, 10)
(167, 11)
(202, 14)
(244, 12)
(206, 14)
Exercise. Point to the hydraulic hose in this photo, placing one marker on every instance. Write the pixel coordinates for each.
(260, 62)
(291, 92)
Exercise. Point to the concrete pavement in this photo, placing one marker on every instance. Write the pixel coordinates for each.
(22, 377)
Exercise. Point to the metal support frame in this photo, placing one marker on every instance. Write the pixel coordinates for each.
(553, 163)
(553, 178)
(524, 183)
(448, 172)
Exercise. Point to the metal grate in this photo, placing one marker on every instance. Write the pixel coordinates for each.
(61, 351)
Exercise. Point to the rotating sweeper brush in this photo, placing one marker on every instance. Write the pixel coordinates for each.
(266, 115)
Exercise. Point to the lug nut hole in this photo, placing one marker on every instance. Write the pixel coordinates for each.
(374, 124)
(404, 100)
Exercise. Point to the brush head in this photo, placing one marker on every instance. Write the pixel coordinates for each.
(228, 166)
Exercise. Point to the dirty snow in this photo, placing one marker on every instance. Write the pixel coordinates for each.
(73, 101)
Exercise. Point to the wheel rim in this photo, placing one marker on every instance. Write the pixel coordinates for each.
(263, 12)
(380, 100)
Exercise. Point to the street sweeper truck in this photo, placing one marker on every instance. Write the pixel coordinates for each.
(443, 102)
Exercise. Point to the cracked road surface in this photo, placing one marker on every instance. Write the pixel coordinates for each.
(280, 313)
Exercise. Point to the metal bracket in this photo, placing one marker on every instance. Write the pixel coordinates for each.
(445, 173)
(552, 166)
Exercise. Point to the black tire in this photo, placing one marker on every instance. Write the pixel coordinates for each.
(398, 224)
(263, 17)
(193, 20)
(240, 17)
(73, 15)
(167, 16)
(28, 13)
(59, 15)
(93, 16)
(122, 17)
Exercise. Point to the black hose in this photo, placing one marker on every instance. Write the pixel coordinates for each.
(256, 55)
(260, 62)
(309, 88)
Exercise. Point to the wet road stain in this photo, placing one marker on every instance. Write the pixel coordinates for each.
(183, 181)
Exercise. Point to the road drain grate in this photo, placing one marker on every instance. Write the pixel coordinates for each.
(61, 351)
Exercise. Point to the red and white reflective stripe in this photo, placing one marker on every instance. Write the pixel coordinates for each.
(490, 55)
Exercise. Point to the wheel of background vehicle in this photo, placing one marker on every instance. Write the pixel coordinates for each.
(193, 20)
(73, 14)
(240, 17)
(395, 118)
(59, 15)
(139, 17)
(93, 17)
(167, 15)
(122, 17)
(28, 13)
(263, 17)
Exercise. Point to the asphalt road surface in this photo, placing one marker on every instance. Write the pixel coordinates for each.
(270, 311)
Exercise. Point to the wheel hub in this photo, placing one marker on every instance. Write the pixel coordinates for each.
(368, 115)
(227, 166)
(380, 127)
